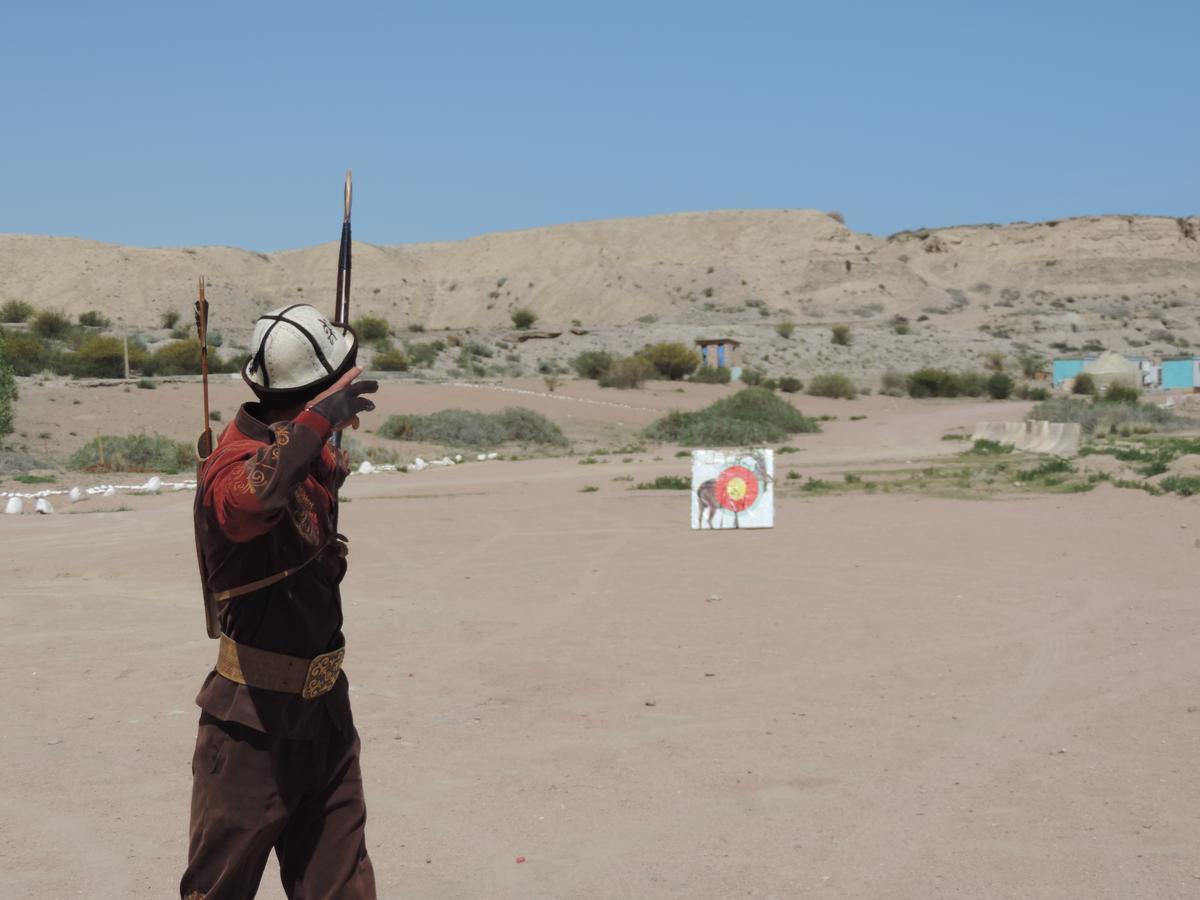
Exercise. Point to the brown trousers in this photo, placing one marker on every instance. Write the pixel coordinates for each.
(252, 792)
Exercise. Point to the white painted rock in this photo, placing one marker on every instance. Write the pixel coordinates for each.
(417, 465)
(110, 491)
(44, 507)
(14, 506)
(75, 494)
(153, 486)
(458, 458)
(366, 468)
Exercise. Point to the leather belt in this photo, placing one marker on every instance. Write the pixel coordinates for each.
(277, 671)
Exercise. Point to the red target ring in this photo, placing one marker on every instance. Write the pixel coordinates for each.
(737, 488)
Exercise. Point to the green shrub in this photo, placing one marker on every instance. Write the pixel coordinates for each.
(390, 360)
(628, 372)
(1121, 393)
(673, 361)
(15, 311)
(930, 382)
(94, 319)
(1084, 384)
(999, 386)
(833, 385)
(841, 335)
(753, 377)
(900, 325)
(8, 391)
(26, 353)
(751, 416)
(99, 357)
(51, 325)
(972, 384)
(371, 328)
(149, 384)
(134, 453)
(169, 319)
(175, 358)
(711, 375)
(593, 364)
(524, 426)
(1028, 392)
(785, 329)
(523, 317)
(423, 355)
(666, 483)
(790, 385)
(475, 430)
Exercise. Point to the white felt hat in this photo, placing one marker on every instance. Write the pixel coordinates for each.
(296, 348)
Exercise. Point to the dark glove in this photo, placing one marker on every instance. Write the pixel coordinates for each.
(344, 406)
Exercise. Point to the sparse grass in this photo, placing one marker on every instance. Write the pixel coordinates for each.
(133, 453)
(666, 483)
(36, 479)
(1183, 485)
(841, 336)
(1100, 417)
(379, 456)
(588, 489)
(785, 329)
(147, 384)
(1152, 455)
(985, 447)
(462, 428)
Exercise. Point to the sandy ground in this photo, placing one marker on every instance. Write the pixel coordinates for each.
(884, 696)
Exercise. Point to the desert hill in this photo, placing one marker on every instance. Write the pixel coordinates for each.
(1125, 282)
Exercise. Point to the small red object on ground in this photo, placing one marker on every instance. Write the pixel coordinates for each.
(520, 859)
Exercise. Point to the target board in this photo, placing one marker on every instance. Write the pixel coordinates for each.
(733, 489)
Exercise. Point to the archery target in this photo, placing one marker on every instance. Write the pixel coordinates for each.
(733, 489)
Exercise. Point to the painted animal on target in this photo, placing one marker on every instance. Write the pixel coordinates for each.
(706, 493)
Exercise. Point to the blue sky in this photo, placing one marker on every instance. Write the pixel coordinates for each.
(165, 124)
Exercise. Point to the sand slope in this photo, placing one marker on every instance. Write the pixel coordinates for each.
(1110, 278)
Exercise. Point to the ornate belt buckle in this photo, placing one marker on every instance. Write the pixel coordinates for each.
(323, 673)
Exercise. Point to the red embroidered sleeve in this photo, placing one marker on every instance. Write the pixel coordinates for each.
(248, 484)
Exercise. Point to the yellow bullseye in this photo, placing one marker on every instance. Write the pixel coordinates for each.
(735, 488)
